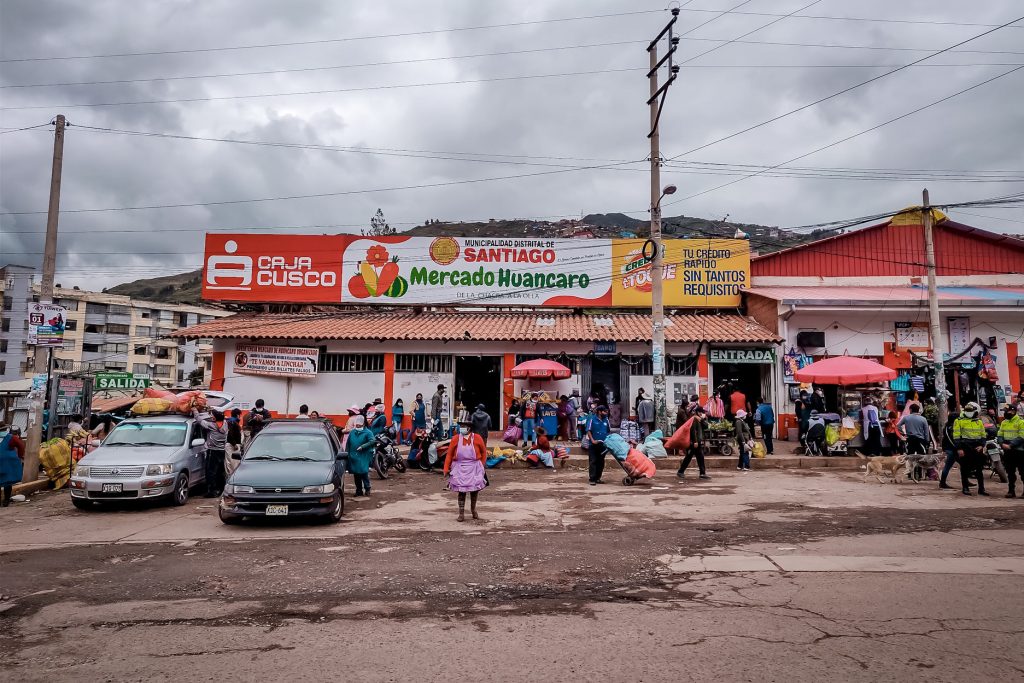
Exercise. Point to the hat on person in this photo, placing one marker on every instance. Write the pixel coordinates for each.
(741, 413)
(377, 401)
(814, 413)
(354, 410)
(480, 406)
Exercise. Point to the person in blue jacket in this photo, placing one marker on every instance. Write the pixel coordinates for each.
(12, 453)
(765, 416)
(360, 450)
(377, 419)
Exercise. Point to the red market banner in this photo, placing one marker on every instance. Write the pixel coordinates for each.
(402, 270)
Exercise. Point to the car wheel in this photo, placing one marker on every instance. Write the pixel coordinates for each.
(227, 517)
(82, 504)
(338, 510)
(180, 495)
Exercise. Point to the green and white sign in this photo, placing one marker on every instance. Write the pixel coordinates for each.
(120, 380)
(742, 356)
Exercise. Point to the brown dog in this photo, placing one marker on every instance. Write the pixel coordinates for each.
(879, 465)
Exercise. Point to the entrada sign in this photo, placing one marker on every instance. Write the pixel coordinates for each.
(120, 380)
(403, 270)
(739, 356)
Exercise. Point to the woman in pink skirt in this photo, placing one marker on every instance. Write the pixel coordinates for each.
(467, 454)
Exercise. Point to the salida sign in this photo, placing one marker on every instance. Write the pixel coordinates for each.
(463, 270)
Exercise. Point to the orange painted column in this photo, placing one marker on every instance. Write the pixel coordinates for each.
(1012, 369)
(508, 389)
(389, 383)
(217, 371)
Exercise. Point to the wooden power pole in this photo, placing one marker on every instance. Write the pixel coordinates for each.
(41, 358)
(933, 316)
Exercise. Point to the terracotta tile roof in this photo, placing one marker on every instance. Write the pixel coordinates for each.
(479, 326)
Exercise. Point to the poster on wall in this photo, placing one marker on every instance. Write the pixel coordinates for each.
(397, 270)
(70, 395)
(46, 324)
(278, 361)
(959, 335)
(912, 335)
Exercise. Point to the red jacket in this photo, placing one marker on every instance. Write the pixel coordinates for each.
(478, 444)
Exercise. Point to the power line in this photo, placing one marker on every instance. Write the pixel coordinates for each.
(862, 19)
(844, 90)
(850, 137)
(346, 39)
(331, 91)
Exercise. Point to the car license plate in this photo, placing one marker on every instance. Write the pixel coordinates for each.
(113, 488)
(277, 510)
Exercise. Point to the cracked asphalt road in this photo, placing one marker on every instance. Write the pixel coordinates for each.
(559, 580)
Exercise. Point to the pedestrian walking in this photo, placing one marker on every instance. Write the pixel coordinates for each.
(1011, 440)
(12, 454)
(914, 428)
(216, 442)
(872, 428)
(464, 468)
(765, 416)
(696, 447)
(530, 421)
(969, 438)
(232, 441)
(743, 439)
(480, 422)
(597, 431)
(360, 446)
(419, 413)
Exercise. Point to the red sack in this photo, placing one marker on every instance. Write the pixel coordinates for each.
(639, 465)
(153, 392)
(187, 400)
(533, 459)
(681, 439)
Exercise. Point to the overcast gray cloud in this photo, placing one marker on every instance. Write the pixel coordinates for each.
(597, 116)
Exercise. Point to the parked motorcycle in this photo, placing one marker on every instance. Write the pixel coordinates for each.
(994, 459)
(424, 451)
(385, 455)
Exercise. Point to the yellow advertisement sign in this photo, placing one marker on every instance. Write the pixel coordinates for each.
(697, 273)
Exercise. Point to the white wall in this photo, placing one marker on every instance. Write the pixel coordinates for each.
(408, 384)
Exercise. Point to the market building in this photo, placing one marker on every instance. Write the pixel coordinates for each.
(864, 293)
(463, 312)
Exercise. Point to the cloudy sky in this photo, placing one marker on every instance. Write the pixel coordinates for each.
(441, 92)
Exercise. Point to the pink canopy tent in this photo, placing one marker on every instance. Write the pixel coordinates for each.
(541, 368)
(844, 370)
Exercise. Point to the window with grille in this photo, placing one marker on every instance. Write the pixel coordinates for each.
(116, 329)
(70, 324)
(639, 365)
(351, 362)
(162, 370)
(96, 308)
(114, 309)
(140, 369)
(432, 363)
(682, 366)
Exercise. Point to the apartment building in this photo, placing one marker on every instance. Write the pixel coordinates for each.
(16, 284)
(105, 332)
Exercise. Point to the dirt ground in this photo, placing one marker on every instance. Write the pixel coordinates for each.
(775, 575)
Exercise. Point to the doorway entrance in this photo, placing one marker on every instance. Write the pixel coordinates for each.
(753, 380)
(605, 379)
(478, 380)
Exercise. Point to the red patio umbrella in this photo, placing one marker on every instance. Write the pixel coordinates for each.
(541, 368)
(844, 370)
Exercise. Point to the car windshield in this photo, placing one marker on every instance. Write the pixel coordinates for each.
(290, 447)
(148, 434)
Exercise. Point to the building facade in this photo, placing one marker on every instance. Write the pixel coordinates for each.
(16, 283)
(865, 294)
(104, 332)
(360, 356)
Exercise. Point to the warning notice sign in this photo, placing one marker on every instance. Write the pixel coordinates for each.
(281, 361)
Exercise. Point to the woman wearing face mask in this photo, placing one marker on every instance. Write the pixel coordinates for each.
(360, 450)
(419, 413)
(465, 463)
(397, 416)
(12, 453)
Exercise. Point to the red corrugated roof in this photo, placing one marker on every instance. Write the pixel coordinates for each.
(891, 249)
(444, 326)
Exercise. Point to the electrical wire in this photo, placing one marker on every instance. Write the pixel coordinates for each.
(345, 39)
(843, 91)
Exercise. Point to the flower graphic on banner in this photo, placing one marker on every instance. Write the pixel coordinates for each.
(378, 276)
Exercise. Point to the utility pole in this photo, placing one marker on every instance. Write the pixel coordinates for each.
(41, 359)
(933, 315)
(656, 103)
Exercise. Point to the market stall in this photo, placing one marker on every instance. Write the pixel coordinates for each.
(541, 369)
(856, 379)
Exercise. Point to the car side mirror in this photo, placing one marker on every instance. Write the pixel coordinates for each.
(196, 443)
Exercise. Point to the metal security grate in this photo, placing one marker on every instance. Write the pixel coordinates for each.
(351, 362)
(434, 364)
